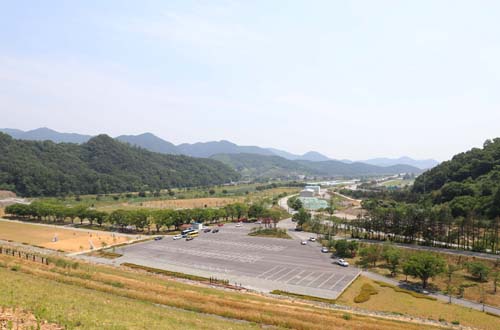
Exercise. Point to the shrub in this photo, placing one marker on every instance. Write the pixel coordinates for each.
(367, 290)
(411, 293)
(15, 268)
(302, 296)
(347, 317)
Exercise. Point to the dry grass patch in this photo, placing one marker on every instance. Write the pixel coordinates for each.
(68, 240)
(144, 291)
(389, 300)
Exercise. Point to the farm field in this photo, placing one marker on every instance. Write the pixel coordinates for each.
(397, 183)
(175, 203)
(181, 198)
(68, 240)
(388, 300)
(98, 297)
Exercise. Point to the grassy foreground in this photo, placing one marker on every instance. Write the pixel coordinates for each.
(387, 299)
(98, 297)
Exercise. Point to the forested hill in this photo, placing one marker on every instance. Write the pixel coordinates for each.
(252, 165)
(102, 165)
(471, 178)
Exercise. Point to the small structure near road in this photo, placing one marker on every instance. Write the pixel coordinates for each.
(307, 193)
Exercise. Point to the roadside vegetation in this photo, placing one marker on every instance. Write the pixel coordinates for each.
(456, 276)
(269, 232)
(144, 220)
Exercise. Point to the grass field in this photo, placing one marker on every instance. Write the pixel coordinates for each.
(68, 240)
(98, 297)
(397, 183)
(388, 300)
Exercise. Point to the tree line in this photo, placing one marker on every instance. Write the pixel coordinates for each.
(142, 219)
(455, 204)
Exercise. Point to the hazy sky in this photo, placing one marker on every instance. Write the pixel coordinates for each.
(351, 79)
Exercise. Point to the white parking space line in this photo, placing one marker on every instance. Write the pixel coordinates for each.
(295, 276)
(324, 282)
(288, 273)
(278, 273)
(305, 277)
(267, 271)
(334, 285)
(319, 278)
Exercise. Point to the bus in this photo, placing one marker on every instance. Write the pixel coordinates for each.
(184, 233)
(192, 233)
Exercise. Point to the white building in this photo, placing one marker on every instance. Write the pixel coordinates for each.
(307, 193)
(316, 189)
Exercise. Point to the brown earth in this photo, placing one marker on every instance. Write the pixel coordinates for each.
(23, 320)
(68, 240)
(7, 194)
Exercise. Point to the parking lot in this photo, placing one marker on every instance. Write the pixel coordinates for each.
(258, 263)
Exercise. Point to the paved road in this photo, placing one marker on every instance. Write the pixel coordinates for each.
(263, 264)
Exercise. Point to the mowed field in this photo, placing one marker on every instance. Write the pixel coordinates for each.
(68, 240)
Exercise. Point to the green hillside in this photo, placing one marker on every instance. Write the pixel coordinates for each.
(468, 182)
(102, 165)
(252, 165)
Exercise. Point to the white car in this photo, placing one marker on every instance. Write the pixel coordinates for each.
(238, 225)
(324, 249)
(176, 237)
(342, 262)
(303, 242)
(312, 239)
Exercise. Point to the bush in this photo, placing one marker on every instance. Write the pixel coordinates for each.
(304, 297)
(367, 290)
(411, 293)
(347, 317)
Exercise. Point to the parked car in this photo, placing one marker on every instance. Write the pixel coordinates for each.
(215, 230)
(312, 239)
(303, 242)
(207, 230)
(189, 238)
(220, 224)
(238, 224)
(176, 237)
(325, 249)
(342, 262)
(158, 238)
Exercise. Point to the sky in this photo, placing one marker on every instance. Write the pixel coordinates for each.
(350, 79)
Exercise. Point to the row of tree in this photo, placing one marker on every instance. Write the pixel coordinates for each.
(452, 225)
(141, 219)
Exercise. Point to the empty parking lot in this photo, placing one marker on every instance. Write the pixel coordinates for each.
(255, 262)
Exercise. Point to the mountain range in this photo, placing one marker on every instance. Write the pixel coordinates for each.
(100, 165)
(263, 166)
(153, 143)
